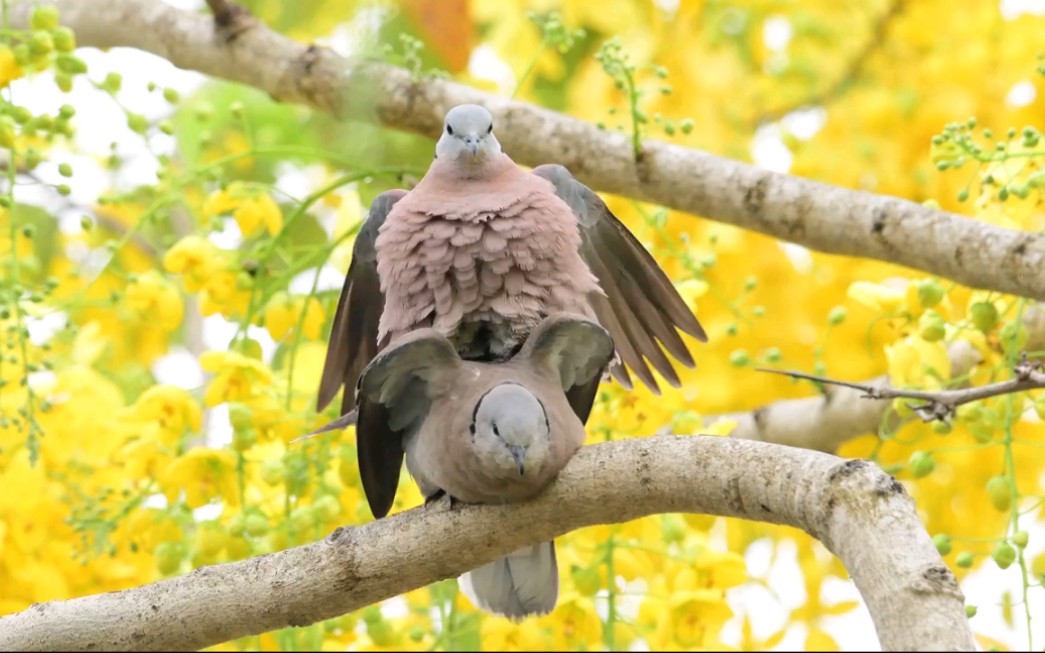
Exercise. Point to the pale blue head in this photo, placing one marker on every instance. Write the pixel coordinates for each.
(467, 135)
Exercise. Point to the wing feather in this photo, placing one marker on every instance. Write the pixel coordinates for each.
(641, 309)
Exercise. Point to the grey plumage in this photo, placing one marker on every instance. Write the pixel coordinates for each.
(489, 433)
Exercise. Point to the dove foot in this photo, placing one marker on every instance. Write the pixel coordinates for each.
(433, 498)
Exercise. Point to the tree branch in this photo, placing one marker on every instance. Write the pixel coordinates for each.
(860, 513)
(941, 404)
(820, 216)
(827, 421)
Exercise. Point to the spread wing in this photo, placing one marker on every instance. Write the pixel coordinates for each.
(353, 337)
(395, 394)
(641, 309)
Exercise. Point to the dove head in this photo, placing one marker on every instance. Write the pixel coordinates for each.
(510, 431)
(467, 135)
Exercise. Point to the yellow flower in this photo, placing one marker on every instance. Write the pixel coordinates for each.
(914, 362)
(574, 623)
(282, 314)
(236, 376)
(502, 635)
(692, 289)
(9, 68)
(144, 457)
(251, 208)
(876, 296)
(223, 293)
(156, 300)
(170, 407)
(203, 474)
(196, 258)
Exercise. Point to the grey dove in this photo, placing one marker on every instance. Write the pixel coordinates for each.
(481, 250)
(490, 433)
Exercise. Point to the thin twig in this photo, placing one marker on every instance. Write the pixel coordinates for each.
(852, 72)
(941, 405)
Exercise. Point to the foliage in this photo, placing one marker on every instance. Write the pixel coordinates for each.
(113, 472)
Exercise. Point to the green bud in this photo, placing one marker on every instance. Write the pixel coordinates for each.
(44, 18)
(731, 329)
(943, 543)
(65, 170)
(137, 122)
(256, 525)
(169, 556)
(1003, 554)
(921, 464)
(171, 95)
(941, 427)
(970, 611)
(240, 416)
(64, 81)
(1013, 335)
(327, 508)
(931, 326)
(686, 125)
(63, 189)
(999, 489)
(773, 355)
(836, 316)
(41, 43)
(964, 559)
(64, 39)
(1020, 538)
(984, 316)
(739, 358)
(930, 292)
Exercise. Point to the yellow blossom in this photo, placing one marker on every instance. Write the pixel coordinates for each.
(914, 362)
(574, 623)
(156, 300)
(203, 474)
(224, 293)
(236, 377)
(172, 409)
(9, 68)
(876, 296)
(250, 207)
(194, 257)
(282, 314)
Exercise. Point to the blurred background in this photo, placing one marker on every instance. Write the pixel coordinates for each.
(174, 246)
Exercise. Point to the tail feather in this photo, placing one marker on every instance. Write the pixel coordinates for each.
(521, 584)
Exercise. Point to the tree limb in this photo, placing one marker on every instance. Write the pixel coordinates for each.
(860, 513)
(827, 421)
(817, 215)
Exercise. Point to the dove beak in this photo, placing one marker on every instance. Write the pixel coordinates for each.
(519, 454)
(473, 144)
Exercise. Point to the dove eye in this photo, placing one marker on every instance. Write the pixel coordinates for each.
(489, 129)
(449, 130)
(495, 431)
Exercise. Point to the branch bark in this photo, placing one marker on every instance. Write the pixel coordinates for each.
(860, 513)
(827, 421)
(817, 215)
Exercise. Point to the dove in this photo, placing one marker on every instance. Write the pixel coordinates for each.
(482, 250)
(483, 432)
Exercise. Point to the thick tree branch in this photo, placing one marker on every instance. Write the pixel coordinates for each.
(820, 216)
(860, 513)
(827, 421)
